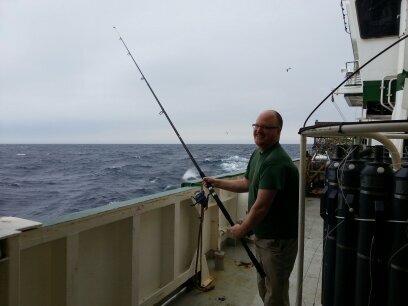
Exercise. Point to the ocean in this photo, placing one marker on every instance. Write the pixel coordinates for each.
(39, 182)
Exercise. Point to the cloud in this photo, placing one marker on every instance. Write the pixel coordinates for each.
(65, 77)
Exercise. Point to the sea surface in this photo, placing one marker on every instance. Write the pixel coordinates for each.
(40, 182)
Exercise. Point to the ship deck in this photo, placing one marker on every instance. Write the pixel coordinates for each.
(236, 283)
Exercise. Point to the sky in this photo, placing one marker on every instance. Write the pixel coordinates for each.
(65, 76)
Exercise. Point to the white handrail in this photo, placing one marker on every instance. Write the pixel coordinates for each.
(389, 93)
(388, 77)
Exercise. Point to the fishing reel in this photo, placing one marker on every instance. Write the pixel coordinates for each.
(200, 198)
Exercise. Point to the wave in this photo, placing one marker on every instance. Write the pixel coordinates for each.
(169, 187)
(234, 163)
(114, 168)
(51, 180)
(190, 174)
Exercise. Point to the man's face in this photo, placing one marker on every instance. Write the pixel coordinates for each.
(266, 131)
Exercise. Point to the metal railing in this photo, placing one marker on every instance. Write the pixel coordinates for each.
(349, 70)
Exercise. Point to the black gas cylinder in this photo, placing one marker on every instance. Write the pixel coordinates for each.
(346, 239)
(397, 225)
(375, 190)
(368, 154)
(328, 206)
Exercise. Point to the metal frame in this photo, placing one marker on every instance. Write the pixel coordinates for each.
(381, 131)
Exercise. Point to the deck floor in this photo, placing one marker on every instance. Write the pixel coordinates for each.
(235, 285)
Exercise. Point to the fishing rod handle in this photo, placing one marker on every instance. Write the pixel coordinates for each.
(227, 216)
(251, 255)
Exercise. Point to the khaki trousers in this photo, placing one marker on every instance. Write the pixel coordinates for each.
(277, 258)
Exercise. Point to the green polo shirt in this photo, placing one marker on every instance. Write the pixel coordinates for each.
(274, 169)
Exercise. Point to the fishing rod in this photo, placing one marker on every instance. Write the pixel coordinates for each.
(202, 175)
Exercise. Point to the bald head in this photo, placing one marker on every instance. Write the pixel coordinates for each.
(274, 116)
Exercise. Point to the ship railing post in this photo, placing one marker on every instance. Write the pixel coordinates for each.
(301, 229)
(135, 295)
(14, 271)
(72, 268)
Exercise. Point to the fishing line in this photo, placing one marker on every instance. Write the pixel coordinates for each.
(340, 176)
(395, 254)
(322, 242)
(351, 75)
(338, 109)
(317, 286)
(371, 272)
(199, 256)
(202, 175)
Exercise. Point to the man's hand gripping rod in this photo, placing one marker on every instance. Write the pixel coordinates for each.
(202, 175)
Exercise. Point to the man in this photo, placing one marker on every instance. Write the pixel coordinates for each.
(272, 181)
